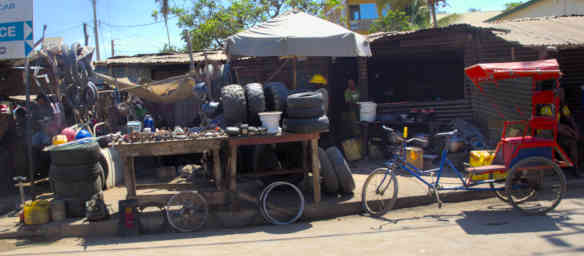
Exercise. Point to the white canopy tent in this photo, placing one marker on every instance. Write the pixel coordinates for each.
(297, 34)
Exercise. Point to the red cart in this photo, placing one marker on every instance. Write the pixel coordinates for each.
(530, 164)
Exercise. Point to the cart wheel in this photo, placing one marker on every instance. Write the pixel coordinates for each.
(187, 211)
(543, 177)
(518, 196)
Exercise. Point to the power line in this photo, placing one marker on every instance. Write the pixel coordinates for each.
(135, 25)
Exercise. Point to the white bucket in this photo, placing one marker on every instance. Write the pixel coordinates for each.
(271, 121)
(367, 111)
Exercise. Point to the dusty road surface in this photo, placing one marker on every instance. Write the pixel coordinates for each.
(483, 227)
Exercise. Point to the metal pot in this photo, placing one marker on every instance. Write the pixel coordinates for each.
(455, 144)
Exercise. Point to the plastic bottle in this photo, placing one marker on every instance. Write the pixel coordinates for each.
(149, 122)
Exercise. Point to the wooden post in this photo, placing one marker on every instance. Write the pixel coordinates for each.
(129, 174)
(232, 167)
(217, 169)
(315, 169)
(95, 31)
(294, 73)
(85, 34)
(113, 49)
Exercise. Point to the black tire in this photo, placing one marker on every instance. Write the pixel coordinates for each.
(331, 183)
(379, 197)
(305, 100)
(256, 102)
(542, 172)
(344, 174)
(305, 112)
(306, 125)
(276, 94)
(81, 154)
(325, 99)
(234, 104)
(77, 186)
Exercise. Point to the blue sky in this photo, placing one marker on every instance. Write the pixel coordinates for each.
(123, 21)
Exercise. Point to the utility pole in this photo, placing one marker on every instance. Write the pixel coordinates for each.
(113, 47)
(95, 30)
(85, 33)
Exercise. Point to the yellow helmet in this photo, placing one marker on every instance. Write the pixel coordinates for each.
(318, 79)
(546, 111)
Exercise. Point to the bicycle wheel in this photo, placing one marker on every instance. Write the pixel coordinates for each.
(187, 211)
(517, 196)
(379, 192)
(543, 177)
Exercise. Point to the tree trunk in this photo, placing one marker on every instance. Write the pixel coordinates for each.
(432, 5)
(167, 33)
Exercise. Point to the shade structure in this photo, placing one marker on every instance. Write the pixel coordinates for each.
(298, 34)
(538, 70)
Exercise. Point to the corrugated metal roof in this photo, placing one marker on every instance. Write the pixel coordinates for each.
(470, 17)
(158, 59)
(562, 32)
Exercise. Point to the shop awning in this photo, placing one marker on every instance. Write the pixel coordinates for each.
(490, 72)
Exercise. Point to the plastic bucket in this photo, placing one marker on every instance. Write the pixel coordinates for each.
(367, 111)
(271, 121)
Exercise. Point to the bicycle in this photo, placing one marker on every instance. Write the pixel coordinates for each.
(381, 196)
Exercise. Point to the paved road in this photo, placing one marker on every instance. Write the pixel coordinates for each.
(483, 227)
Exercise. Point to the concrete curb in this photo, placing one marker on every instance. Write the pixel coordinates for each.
(249, 216)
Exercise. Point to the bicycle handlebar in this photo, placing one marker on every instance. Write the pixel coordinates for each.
(450, 133)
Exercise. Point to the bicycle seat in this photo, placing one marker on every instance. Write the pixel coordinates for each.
(450, 133)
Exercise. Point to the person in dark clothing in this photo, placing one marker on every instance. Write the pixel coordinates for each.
(569, 136)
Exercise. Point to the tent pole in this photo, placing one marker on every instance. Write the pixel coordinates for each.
(294, 73)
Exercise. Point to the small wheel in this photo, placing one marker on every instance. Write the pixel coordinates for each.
(278, 205)
(540, 177)
(518, 197)
(187, 211)
(379, 192)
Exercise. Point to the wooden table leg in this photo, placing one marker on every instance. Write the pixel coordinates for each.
(232, 166)
(217, 169)
(305, 157)
(129, 176)
(315, 169)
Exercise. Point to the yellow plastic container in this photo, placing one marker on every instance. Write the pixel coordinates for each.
(59, 139)
(481, 157)
(415, 156)
(495, 175)
(37, 212)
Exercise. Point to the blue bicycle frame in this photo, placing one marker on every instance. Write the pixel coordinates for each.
(403, 164)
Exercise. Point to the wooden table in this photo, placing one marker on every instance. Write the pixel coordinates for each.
(128, 151)
(309, 153)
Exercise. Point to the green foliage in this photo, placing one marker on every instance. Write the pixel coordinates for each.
(394, 20)
(419, 11)
(211, 21)
(170, 49)
(511, 5)
(449, 19)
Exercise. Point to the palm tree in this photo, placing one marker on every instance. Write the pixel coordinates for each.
(403, 4)
(164, 10)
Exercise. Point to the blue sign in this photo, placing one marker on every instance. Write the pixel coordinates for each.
(13, 31)
(16, 28)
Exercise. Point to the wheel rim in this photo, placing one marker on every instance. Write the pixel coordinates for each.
(279, 206)
(187, 211)
(379, 192)
(539, 178)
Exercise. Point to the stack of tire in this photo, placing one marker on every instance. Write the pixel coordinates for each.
(76, 175)
(305, 113)
(337, 177)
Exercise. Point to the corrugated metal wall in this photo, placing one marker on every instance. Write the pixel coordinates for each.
(511, 99)
(426, 44)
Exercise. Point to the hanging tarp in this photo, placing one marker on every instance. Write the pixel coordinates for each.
(170, 90)
(297, 34)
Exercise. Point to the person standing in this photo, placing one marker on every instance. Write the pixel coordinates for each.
(352, 98)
